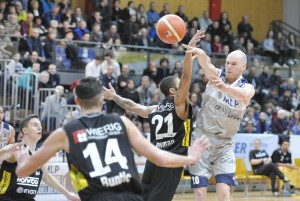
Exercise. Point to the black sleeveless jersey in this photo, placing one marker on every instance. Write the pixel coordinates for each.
(13, 187)
(167, 130)
(100, 157)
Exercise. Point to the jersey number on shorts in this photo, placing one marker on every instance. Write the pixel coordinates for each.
(112, 155)
(158, 120)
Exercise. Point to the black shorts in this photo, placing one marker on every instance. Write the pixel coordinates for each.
(159, 183)
(116, 196)
(14, 198)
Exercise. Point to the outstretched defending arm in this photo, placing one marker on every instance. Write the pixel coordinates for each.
(181, 97)
(127, 104)
(55, 142)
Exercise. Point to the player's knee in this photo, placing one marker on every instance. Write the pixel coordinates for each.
(223, 192)
(200, 194)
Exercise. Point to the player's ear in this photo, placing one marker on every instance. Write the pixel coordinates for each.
(172, 91)
(76, 101)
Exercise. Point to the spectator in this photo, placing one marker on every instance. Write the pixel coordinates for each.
(43, 80)
(279, 123)
(36, 8)
(21, 13)
(64, 5)
(205, 44)
(296, 129)
(6, 45)
(280, 46)
(30, 59)
(93, 68)
(152, 15)
(142, 23)
(164, 65)
(122, 80)
(244, 26)
(144, 38)
(109, 79)
(141, 13)
(130, 31)
(53, 114)
(165, 10)
(48, 5)
(52, 15)
(285, 101)
(131, 92)
(270, 49)
(223, 20)
(95, 18)
(249, 118)
(38, 25)
(180, 13)
(253, 79)
(177, 70)
(33, 43)
(282, 158)
(116, 13)
(78, 15)
(63, 30)
(262, 125)
(106, 13)
(49, 47)
(23, 80)
(214, 29)
(275, 79)
(79, 31)
(262, 165)
(12, 24)
(249, 128)
(154, 73)
(14, 66)
(27, 26)
(69, 17)
(109, 61)
(54, 77)
(227, 36)
(112, 34)
(145, 90)
(292, 48)
(96, 33)
(205, 21)
(216, 45)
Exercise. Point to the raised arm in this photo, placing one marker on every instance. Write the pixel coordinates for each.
(181, 95)
(127, 104)
(52, 182)
(55, 142)
(204, 61)
(161, 157)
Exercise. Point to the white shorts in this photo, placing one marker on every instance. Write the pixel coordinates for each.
(218, 160)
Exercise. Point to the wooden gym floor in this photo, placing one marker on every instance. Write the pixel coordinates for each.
(237, 196)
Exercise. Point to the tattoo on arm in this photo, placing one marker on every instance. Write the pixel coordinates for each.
(124, 102)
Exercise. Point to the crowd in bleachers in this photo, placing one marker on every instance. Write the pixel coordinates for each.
(28, 30)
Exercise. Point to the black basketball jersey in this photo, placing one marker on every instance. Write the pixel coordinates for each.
(167, 130)
(13, 187)
(100, 157)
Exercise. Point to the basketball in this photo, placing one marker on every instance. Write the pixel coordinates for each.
(170, 29)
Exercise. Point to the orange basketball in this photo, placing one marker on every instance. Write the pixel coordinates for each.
(170, 29)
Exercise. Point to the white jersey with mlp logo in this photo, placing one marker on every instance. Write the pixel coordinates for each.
(220, 113)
